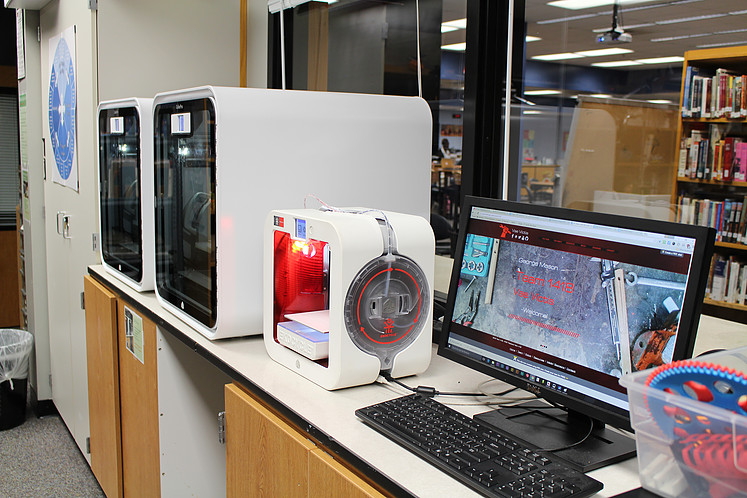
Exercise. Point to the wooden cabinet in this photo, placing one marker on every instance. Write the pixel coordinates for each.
(328, 477)
(712, 120)
(154, 402)
(122, 394)
(103, 386)
(138, 390)
(267, 456)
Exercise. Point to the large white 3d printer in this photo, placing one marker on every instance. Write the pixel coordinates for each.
(224, 156)
(348, 293)
(125, 129)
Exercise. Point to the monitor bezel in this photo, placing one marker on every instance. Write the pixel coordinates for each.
(693, 299)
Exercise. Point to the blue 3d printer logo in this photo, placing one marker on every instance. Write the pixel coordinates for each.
(62, 109)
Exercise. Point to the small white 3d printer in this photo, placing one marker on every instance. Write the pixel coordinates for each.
(347, 294)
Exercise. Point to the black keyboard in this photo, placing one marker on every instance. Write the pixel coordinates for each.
(488, 462)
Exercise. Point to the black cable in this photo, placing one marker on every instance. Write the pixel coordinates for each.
(580, 441)
(556, 406)
(431, 391)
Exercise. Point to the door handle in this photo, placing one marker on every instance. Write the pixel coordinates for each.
(64, 228)
(59, 215)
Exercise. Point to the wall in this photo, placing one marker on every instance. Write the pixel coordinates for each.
(121, 51)
(256, 44)
(33, 218)
(67, 258)
(146, 47)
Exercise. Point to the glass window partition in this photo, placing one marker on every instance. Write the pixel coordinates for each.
(373, 47)
(598, 106)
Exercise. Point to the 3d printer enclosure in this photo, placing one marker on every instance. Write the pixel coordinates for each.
(273, 149)
(354, 241)
(143, 108)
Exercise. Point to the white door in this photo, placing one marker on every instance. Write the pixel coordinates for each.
(70, 215)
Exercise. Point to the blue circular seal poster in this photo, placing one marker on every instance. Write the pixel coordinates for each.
(62, 103)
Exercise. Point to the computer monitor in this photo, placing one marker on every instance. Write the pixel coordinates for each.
(562, 303)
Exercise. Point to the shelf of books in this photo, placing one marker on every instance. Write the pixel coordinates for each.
(711, 183)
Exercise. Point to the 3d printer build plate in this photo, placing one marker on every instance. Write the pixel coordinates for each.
(304, 340)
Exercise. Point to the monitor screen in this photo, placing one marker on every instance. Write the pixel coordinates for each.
(562, 303)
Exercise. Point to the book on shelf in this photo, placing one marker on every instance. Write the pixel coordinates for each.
(739, 163)
(682, 164)
(719, 94)
(727, 157)
(727, 216)
(713, 154)
(727, 281)
(690, 72)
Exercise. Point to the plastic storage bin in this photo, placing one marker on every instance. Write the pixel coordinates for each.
(15, 347)
(691, 448)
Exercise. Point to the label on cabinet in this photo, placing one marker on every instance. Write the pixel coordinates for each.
(134, 334)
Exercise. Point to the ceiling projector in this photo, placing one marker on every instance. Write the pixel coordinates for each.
(614, 37)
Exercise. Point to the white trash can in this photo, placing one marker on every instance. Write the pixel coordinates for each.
(15, 348)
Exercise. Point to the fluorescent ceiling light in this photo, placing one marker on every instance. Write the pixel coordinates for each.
(725, 44)
(542, 92)
(566, 19)
(600, 95)
(680, 37)
(588, 4)
(455, 47)
(604, 51)
(730, 31)
(525, 101)
(557, 57)
(531, 112)
(275, 5)
(660, 101)
(690, 19)
(532, 38)
(661, 60)
(617, 63)
(586, 53)
(456, 23)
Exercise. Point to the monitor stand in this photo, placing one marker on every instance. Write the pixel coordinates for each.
(549, 428)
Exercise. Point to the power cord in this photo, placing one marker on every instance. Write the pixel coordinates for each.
(555, 406)
(432, 391)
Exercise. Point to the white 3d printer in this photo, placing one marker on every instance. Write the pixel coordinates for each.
(125, 130)
(223, 155)
(347, 294)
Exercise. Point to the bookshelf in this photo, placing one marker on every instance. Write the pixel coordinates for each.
(710, 185)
